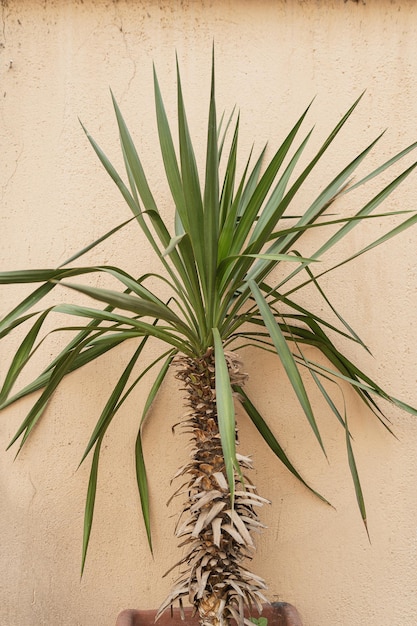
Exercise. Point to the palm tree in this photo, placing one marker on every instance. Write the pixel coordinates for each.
(228, 266)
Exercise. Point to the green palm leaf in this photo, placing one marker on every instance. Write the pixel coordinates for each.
(141, 476)
(270, 439)
(90, 502)
(286, 358)
(226, 412)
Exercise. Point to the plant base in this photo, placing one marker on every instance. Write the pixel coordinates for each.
(277, 613)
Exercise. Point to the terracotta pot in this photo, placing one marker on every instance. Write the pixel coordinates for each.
(278, 614)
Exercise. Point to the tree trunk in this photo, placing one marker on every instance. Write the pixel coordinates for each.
(215, 535)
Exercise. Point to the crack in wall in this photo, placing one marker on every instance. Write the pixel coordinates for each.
(4, 14)
(4, 5)
(34, 493)
(119, 18)
(12, 175)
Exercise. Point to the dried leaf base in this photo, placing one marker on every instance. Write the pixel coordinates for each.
(277, 613)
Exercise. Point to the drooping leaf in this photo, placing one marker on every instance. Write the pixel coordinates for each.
(90, 502)
(141, 476)
(286, 358)
(355, 477)
(270, 439)
(21, 357)
(225, 412)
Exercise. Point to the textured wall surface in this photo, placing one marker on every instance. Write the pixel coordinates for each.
(57, 62)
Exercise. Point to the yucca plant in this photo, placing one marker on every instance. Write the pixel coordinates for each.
(227, 266)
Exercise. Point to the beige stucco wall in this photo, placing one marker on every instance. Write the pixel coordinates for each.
(57, 62)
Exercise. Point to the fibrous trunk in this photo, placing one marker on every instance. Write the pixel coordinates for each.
(216, 537)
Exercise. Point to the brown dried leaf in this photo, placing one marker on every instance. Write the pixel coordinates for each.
(204, 497)
(241, 527)
(202, 584)
(251, 521)
(221, 480)
(233, 533)
(201, 522)
(216, 525)
(252, 496)
(214, 511)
